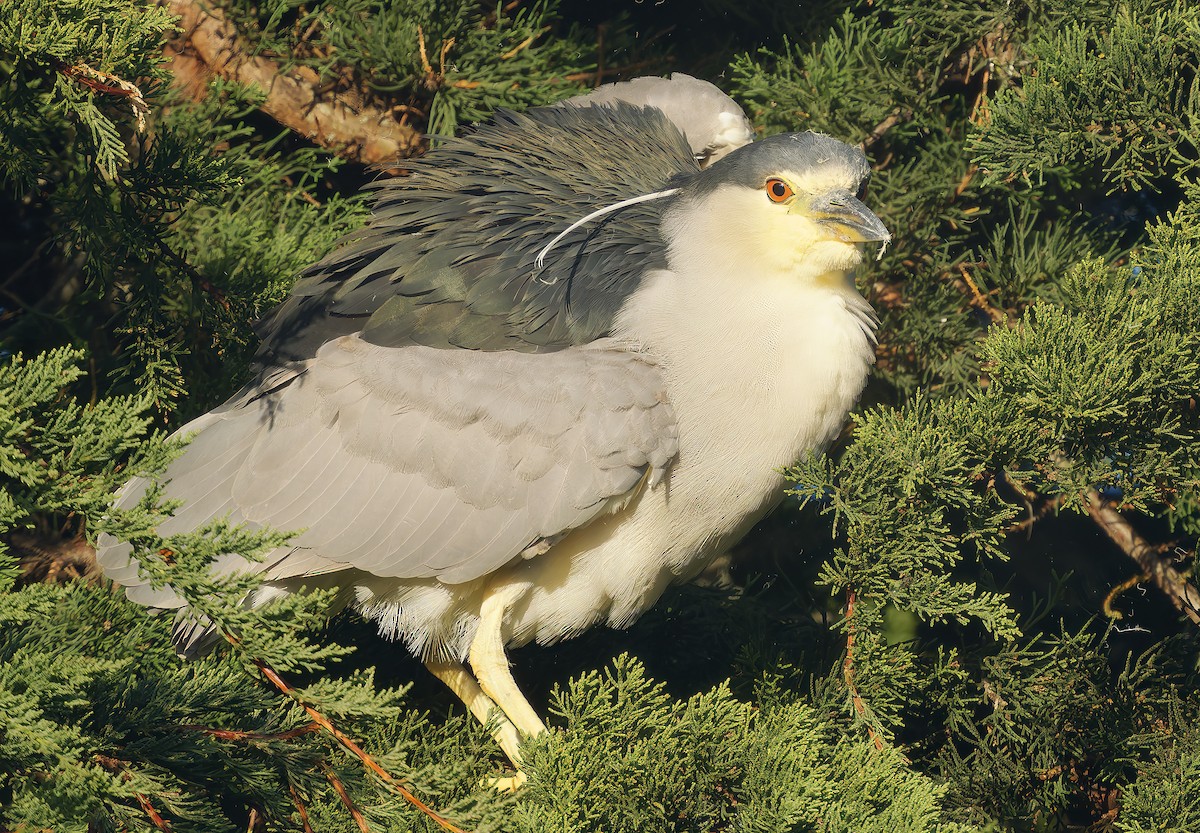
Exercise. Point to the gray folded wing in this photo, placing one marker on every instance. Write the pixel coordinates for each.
(420, 463)
(712, 123)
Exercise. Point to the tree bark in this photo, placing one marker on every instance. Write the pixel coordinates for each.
(339, 120)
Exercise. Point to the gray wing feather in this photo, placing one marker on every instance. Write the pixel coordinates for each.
(711, 121)
(448, 259)
(422, 463)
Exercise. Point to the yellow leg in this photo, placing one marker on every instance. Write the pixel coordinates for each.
(490, 663)
(456, 676)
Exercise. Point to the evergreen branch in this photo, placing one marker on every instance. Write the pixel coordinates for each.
(357, 751)
(1170, 581)
(343, 122)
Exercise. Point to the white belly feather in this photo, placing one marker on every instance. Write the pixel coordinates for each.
(755, 386)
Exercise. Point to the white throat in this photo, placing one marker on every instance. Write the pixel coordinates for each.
(761, 369)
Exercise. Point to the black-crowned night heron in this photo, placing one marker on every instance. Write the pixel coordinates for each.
(497, 426)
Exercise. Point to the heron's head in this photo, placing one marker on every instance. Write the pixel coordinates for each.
(788, 205)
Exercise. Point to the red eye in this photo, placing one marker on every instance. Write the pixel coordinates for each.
(778, 190)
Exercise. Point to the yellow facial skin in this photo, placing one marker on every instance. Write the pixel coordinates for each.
(831, 203)
(809, 228)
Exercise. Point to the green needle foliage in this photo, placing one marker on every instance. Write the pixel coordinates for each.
(936, 632)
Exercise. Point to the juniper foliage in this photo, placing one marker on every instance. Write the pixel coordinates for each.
(933, 634)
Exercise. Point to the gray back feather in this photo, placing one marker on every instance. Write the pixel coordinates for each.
(448, 257)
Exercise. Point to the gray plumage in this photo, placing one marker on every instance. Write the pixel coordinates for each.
(419, 463)
(483, 453)
(711, 122)
(448, 257)
(802, 153)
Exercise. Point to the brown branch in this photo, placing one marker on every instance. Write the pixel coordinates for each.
(595, 77)
(357, 751)
(600, 32)
(107, 84)
(199, 281)
(1170, 581)
(300, 808)
(117, 766)
(860, 708)
(343, 120)
(158, 820)
(233, 734)
(340, 789)
(512, 53)
(880, 130)
(1109, 600)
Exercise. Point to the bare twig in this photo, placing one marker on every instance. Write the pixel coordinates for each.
(117, 766)
(300, 808)
(357, 751)
(340, 789)
(600, 32)
(981, 105)
(896, 117)
(199, 281)
(106, 84)
(594, 77)
(978, 299)
(233, 734)
(512, 53)
(1128, 584)
(965, 182)
(1170, 581)
(158, 820)
(342, 120)
(860, 707)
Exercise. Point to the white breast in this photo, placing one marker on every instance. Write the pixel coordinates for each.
(758, 375)
(757, 379)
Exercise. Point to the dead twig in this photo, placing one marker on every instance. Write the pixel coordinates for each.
(880, 130)
(340, 789)
(357, 751)
(860, 707)
(1170, 581)
(1128, 584)
(233, 734)
(106, 84)
(595, 76)
(148, 808)
(978, 299)
(199, 281)
(525, 44)
(300, 808)
(117, 766)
